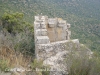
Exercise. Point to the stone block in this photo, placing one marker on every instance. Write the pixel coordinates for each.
(41, 32)
(36, 25)
(61, 23)
(51, 25)
(43, 25)
(52, 22)
(44, 18)
(42, 40)
(36, 17)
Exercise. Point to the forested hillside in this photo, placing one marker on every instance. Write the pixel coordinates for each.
(83, 15)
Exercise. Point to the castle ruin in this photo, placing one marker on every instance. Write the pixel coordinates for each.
(51, 36)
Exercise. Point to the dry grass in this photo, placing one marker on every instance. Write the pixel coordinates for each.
(14, 59)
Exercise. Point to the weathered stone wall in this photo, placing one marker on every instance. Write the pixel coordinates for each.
(48, 30)
(48, 50)
(58, 30)
(52, 36)
(55, 34)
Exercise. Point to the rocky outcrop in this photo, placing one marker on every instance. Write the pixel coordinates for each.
(53, 43)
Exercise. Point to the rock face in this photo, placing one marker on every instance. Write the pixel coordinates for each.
(51, 38)
(50, 32)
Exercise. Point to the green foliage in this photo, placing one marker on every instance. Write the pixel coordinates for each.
(24, 42)
(85, 66)
(21, 31)
(21, 35)
(37, 65)
(95, 70)
(12, 22)
(3, 65)
(82, 14)
(45, 72)
(80, 66)
(80, 62)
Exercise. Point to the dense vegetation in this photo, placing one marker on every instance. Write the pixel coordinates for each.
(17, 44)
(82, 14)
(16, 29)
(80, 60)
(16, 41)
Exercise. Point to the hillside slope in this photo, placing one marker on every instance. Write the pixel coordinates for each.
(82, 14)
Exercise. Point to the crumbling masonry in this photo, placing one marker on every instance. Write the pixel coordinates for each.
(51, 35)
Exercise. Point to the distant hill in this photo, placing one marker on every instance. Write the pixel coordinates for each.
(84, 15)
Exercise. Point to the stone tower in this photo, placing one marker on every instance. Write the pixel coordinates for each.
(50, 30)
(51, 36)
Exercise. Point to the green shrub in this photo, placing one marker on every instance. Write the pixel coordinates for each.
(38, 66)
(3, 65)
(18, 33)
(79, 62)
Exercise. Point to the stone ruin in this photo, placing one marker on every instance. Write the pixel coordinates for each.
(51, 36)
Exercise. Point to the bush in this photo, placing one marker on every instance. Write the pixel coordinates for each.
(17, 33)
(38, 64)
(12, 22)
(3, 65)
(80, 62)
(24, 42)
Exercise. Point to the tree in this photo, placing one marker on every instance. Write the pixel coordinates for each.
(14, 23)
